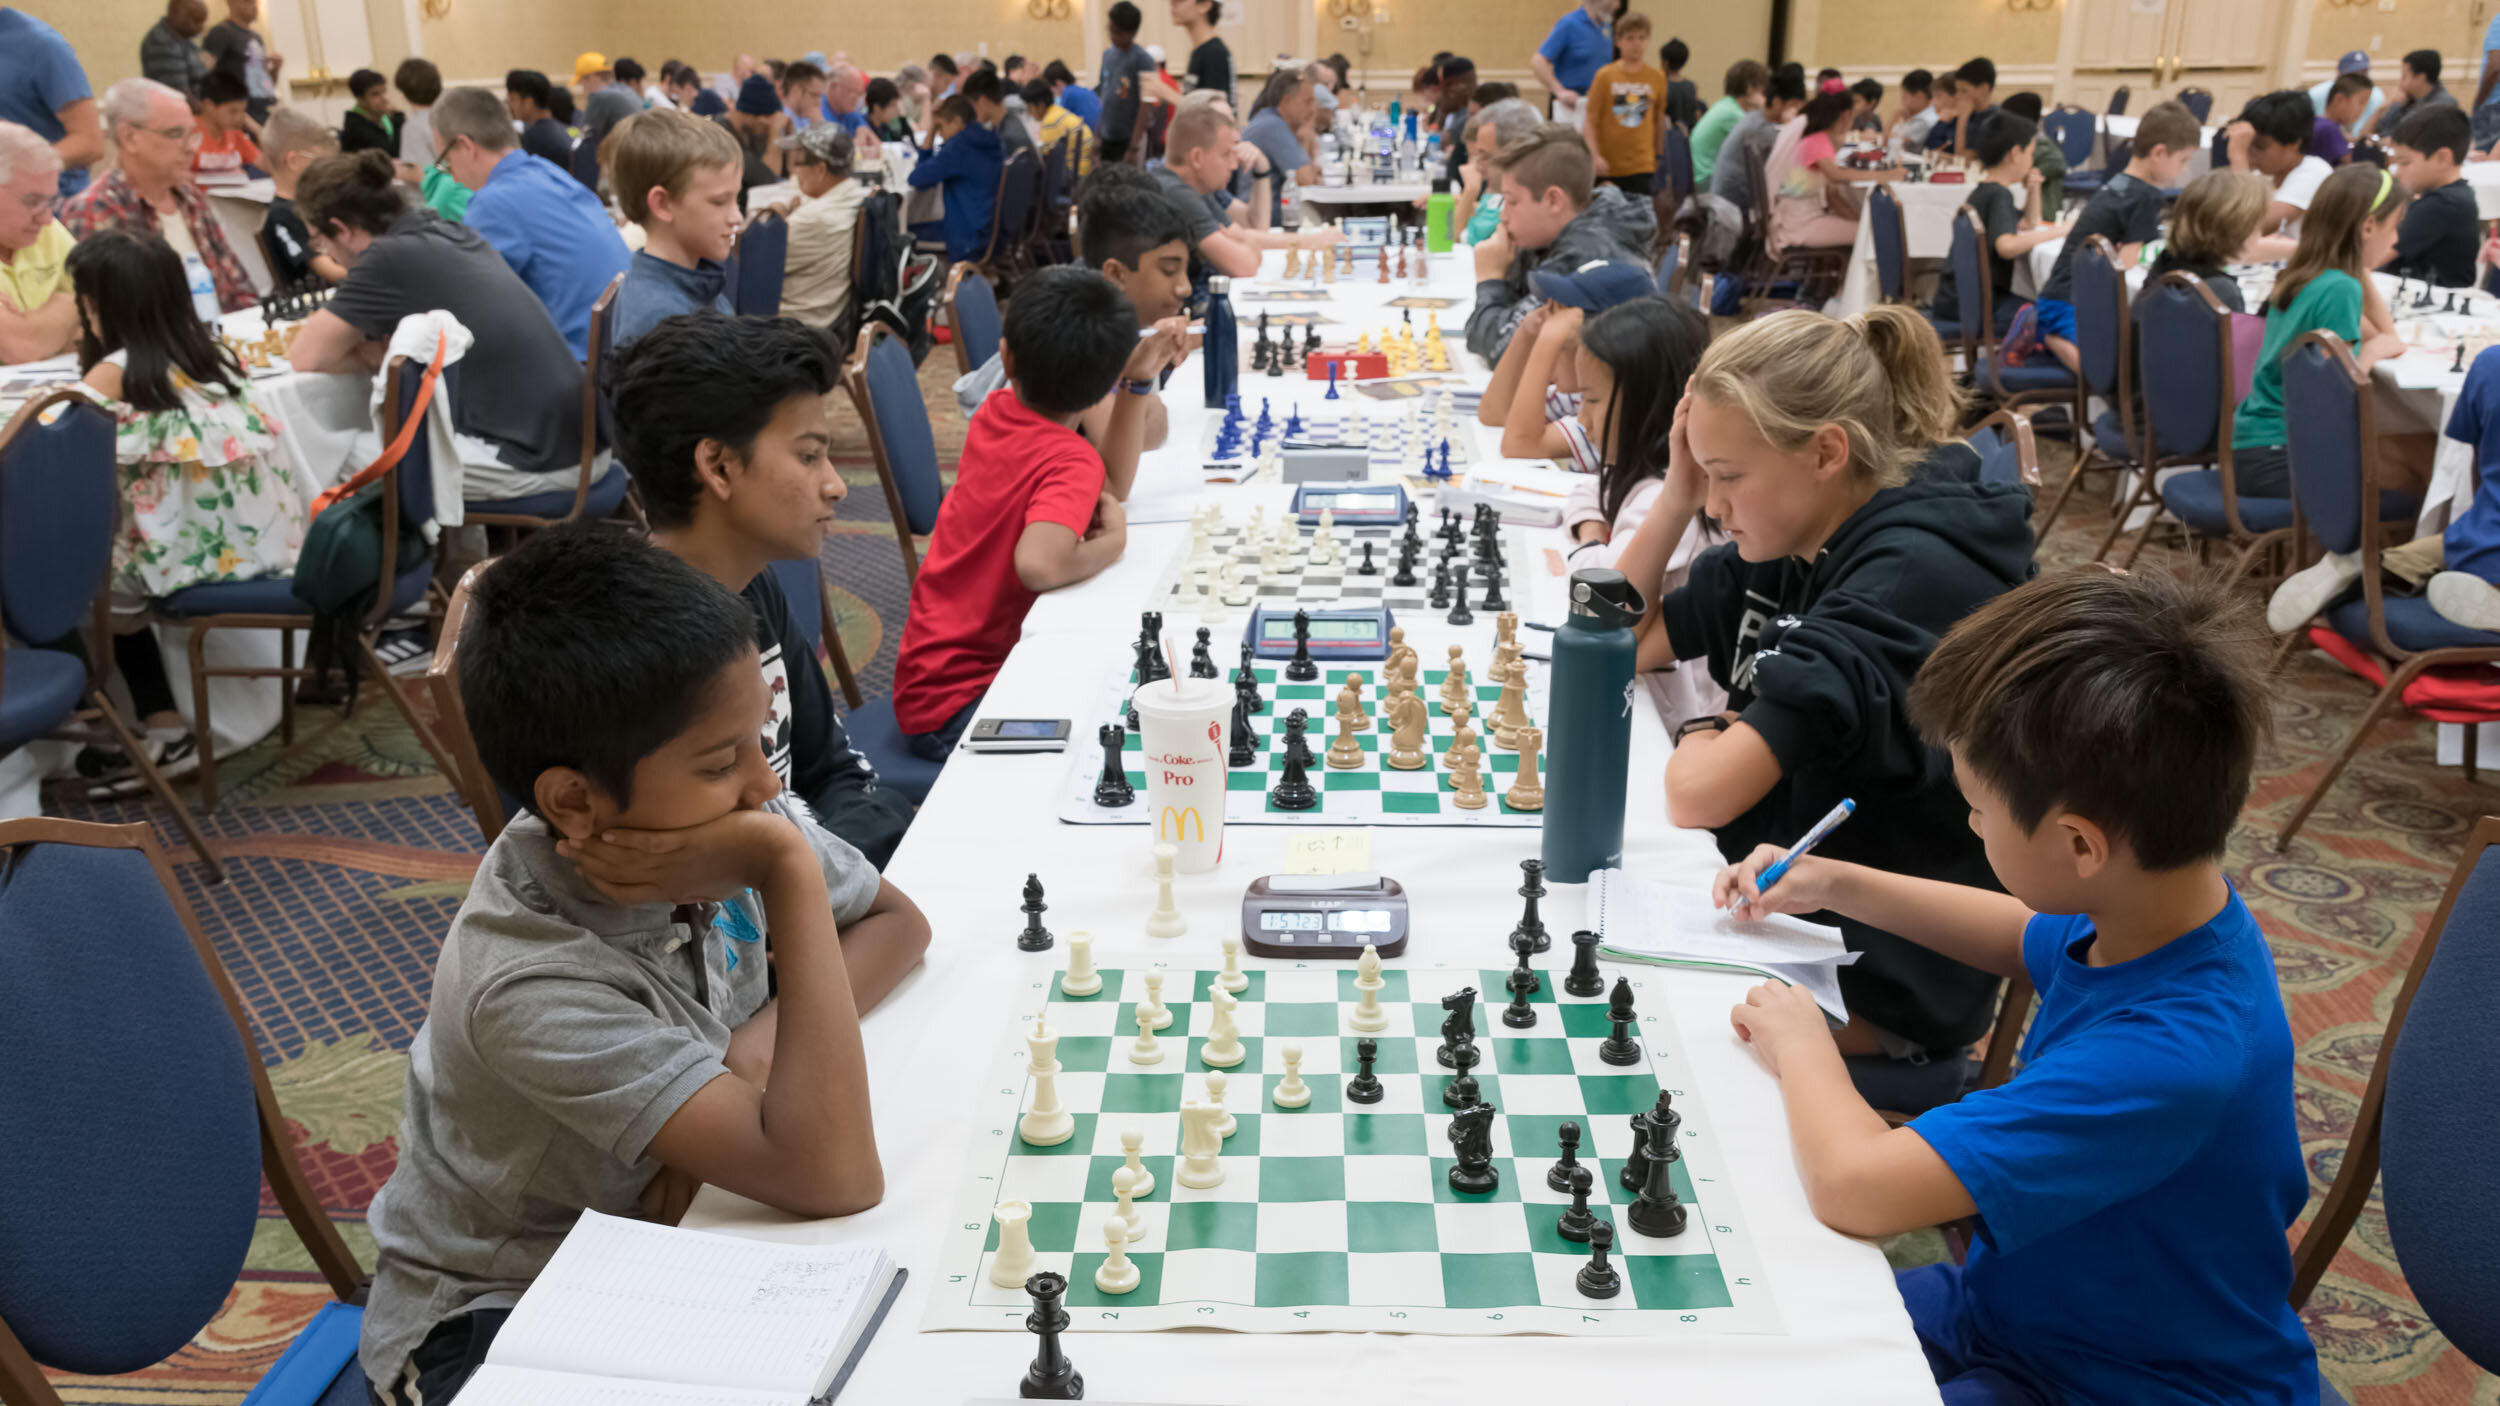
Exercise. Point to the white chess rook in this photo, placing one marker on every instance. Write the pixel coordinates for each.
(1013, 1263)
(1080, 979)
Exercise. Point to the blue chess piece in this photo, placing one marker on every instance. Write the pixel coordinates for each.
(1332, 379)
(1293, 423)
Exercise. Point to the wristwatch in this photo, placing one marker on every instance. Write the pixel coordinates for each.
(1138, 387)
(1714, 722)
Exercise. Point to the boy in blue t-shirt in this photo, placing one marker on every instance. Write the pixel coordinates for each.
(2134, 1181)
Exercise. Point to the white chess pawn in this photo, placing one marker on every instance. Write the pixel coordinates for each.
(1115, 1275)
(1048, 1124)
(1080, 979)
(1013, 1262)
(1124, 1186)
(1236, 590)
(1233, 979)
(1291, 1092)
(1146, 1049)
(1191, 591)
(1223, 1048)
(1368, 1017)
(1211, 604)
(1154, 1001)
(1166, 919)
(1225, 1124)
(1132, 1143)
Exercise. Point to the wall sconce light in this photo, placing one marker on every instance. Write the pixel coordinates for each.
(2030, 6)
(1047, 9)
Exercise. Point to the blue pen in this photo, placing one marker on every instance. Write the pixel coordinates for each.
(1799, 850)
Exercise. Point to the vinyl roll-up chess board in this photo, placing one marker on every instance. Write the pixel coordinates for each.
(1339, 1216)
(1374, 793)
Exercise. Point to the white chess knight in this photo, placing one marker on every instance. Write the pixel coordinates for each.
(1223, 1048)
(1202, 1152)
(1368, 1017)
(1291, 1092)
(1012, 1264)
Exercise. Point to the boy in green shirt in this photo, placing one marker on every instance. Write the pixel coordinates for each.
(1747, 80)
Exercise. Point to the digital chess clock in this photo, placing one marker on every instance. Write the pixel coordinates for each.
(1355, 634)
(1354, 504)
(1323, 915)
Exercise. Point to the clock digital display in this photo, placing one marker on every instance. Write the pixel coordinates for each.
(1360, 502)
(1353, 920)
(1281, 628)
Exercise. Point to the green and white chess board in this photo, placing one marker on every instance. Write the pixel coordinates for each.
(1337, 1216)
(1374, 793)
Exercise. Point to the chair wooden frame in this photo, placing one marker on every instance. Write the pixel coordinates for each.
(2351, 1192)
(2005, 1036)
(600, 312)
(1805, 262)
(367, 632)
(2409, 664)
(97, 699)
(439, 687)
(2015, 426)
(2247, 539)
(855, 380)
(22, 1381)
(1980, 348)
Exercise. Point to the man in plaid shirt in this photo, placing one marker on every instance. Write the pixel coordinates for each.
(149, 191)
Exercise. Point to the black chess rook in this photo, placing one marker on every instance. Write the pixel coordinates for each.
(1112, 788)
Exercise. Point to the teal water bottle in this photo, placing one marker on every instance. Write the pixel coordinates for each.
(1588, 726)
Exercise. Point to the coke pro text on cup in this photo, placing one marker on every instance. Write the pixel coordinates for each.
(1181, 735)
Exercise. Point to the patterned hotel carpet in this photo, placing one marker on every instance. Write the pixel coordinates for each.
(349, 858)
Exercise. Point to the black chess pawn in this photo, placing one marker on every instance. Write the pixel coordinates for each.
(1300, 669)
(1656, 1212)
(1367, 567)
(1440, 597)
(1275, 366)
(1532, 888)
(1583, 980)
(1298, 738)
(1294, 790)
(1052, 1377)
(1406, 566)
(1577, 1220)
(1202, 658)
(1247, 680)
(1112, 788)
(1365, 1086)
(2459, 363)
(1620, 1047)
(1242, 742)
(1494, 600)
(1459, 613)
(1260, 351)
(1598, 1279)
(1519, 1014)
(1035, 937)
(1464, 1091)
(1558, 1176)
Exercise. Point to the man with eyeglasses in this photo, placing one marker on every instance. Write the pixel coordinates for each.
(547, 225)
(149, 189)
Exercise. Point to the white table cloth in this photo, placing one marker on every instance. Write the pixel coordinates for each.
(988, 822)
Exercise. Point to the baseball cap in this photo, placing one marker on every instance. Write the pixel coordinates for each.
(1594, 286)
(825, 143)
(814, 56)
(588, 64)
(757, 97)
(2354, 62)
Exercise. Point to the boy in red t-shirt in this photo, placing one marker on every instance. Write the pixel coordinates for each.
(1029, 511)
(226, 144)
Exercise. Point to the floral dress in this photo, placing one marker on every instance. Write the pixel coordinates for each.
(206, 494)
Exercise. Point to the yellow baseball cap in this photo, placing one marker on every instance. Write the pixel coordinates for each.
(589, 64)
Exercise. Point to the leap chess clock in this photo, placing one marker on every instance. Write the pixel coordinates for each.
(1323, 915)
(1338, 636)
(1356, 505)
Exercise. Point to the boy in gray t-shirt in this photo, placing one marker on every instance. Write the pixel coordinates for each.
(605, 1032)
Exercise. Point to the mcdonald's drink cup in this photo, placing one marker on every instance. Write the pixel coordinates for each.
(1181, 727)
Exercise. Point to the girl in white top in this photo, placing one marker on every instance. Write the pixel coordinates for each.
(1629, 365)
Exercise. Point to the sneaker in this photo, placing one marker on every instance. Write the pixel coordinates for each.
(111, 773)
(2462, 598)
(404, 652)
(2307, 591)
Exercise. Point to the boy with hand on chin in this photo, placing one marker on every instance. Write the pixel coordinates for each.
(2134, 1181)
(721, 420)
(605, 1032)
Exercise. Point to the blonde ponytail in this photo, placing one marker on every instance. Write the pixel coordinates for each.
(1792, 373)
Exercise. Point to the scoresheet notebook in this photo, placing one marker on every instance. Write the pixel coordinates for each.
(630, 1312)
(1339, 1216)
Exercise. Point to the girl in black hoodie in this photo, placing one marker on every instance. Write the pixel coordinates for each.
(1803, 437)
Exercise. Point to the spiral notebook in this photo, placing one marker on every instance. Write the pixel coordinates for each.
(633, 1314)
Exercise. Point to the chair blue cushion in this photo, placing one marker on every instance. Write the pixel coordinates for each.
(275, 595)
(2044, 375)
(605, 494)
(2110, 438)
(878, 736)
(1946, 332)
(133, 1138)
(2195, 498)
(2411, 625)
(2438, 1142)
(38, 688)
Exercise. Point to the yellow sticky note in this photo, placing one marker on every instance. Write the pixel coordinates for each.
(1329, 852)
